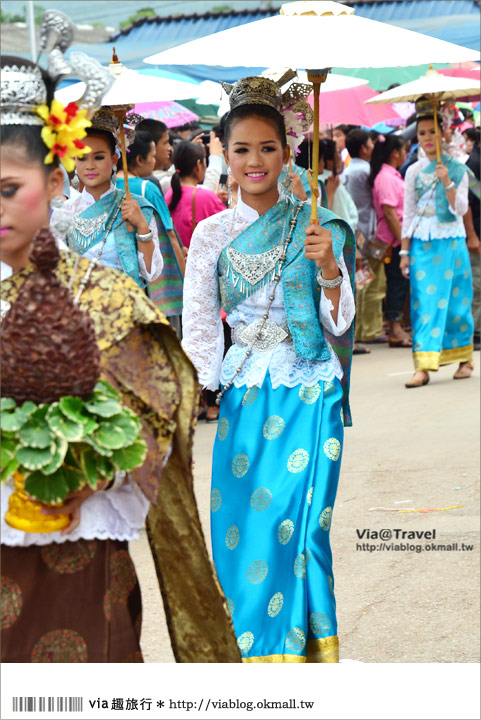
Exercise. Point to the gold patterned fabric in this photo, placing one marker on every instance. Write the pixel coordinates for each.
(141, 356)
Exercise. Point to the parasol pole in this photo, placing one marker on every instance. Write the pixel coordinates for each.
(120, 112)
(316, 77)
(437, 136)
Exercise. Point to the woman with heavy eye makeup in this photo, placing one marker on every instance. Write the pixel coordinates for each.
(435, 258)
(75, 332)
(285, 283)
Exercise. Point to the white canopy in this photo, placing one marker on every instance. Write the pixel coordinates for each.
(432, 83)
(131, 87)
(315, 41)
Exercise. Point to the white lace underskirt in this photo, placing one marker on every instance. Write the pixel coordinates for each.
(285, 368)
(113, 515)
(426, 229)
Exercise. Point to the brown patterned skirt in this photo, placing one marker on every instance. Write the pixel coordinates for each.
(70, 602)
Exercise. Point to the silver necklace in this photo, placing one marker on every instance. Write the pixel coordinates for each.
(265, 317)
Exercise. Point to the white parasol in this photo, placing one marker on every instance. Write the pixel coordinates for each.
(315, 36)
(433, 86)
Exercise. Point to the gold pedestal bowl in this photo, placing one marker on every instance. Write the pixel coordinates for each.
(25, 514)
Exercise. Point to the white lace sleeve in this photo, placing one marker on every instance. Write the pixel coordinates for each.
(157, 259)
(346, 311)
(203, 335)
(461, 201)
(409, 199)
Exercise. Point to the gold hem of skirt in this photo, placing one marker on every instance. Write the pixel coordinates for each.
(321, 650)
(433, 360)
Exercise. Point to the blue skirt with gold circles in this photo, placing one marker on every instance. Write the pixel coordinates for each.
(441, 297)
(276, 466)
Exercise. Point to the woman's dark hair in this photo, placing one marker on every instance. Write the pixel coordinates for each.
(156, 128)
(355, 140)
(430, 117)
(472, 134)
(327, 149)
(266, 112)
(382, 152)
(185, 158)
(106, 135)
(343, 128)
(28, 137)
(142, 145)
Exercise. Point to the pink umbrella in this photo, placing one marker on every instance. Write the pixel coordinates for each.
(347, 106)
(170, 112)
(461, 72)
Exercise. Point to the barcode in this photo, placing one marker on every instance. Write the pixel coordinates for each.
(47, 704)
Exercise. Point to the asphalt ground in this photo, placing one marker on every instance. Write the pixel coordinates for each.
(411, 463)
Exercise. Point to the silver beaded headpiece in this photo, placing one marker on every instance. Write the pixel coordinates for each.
(23, 88)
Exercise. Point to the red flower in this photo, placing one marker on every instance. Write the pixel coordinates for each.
(79, 144)
(54, 120)
(59, 150)
(71, 109)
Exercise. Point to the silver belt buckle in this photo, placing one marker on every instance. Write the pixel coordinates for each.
(269, 338)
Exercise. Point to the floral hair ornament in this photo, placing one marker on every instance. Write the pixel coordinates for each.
(24, 92)
(63, 131)
(291, 104)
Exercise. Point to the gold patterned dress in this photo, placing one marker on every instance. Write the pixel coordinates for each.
(78, 600)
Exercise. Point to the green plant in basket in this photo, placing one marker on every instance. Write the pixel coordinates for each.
(63, 446)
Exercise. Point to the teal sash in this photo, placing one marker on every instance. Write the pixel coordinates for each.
(261, 242)
(103, 216)
(456, 171)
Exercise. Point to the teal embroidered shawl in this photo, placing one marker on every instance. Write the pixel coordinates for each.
(104, 210)
(456, 171)
(302, 293)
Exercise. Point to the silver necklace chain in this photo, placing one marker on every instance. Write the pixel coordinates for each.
(265, 317)
(93, 262)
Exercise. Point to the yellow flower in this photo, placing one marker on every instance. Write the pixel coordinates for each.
(63, 132)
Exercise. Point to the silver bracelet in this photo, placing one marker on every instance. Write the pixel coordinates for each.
(144, 238)
(404, 253)
(451, 186)
(329, 284)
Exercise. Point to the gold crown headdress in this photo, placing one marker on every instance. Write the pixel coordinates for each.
(24, 93)
(108, 120)
(291, 104)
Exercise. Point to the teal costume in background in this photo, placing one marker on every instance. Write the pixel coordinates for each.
(166, 291)
(276, 463)
(441, 282)
(104, 211)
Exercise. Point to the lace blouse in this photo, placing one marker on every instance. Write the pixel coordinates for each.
(109, 256)
(116, 515)
(420, 219)
(203, 339)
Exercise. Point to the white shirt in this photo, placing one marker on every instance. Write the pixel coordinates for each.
(109, 257)
(203, 338)
(428, 226)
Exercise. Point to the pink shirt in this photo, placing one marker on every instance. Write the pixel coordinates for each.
(206, 204)
(388, 190)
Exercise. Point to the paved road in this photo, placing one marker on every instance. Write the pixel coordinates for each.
(408, 449)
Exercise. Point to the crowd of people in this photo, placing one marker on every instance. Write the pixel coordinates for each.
(216, 230)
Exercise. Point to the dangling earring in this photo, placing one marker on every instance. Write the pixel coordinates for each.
(229, 188)
(75, 182)
(114, 175)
